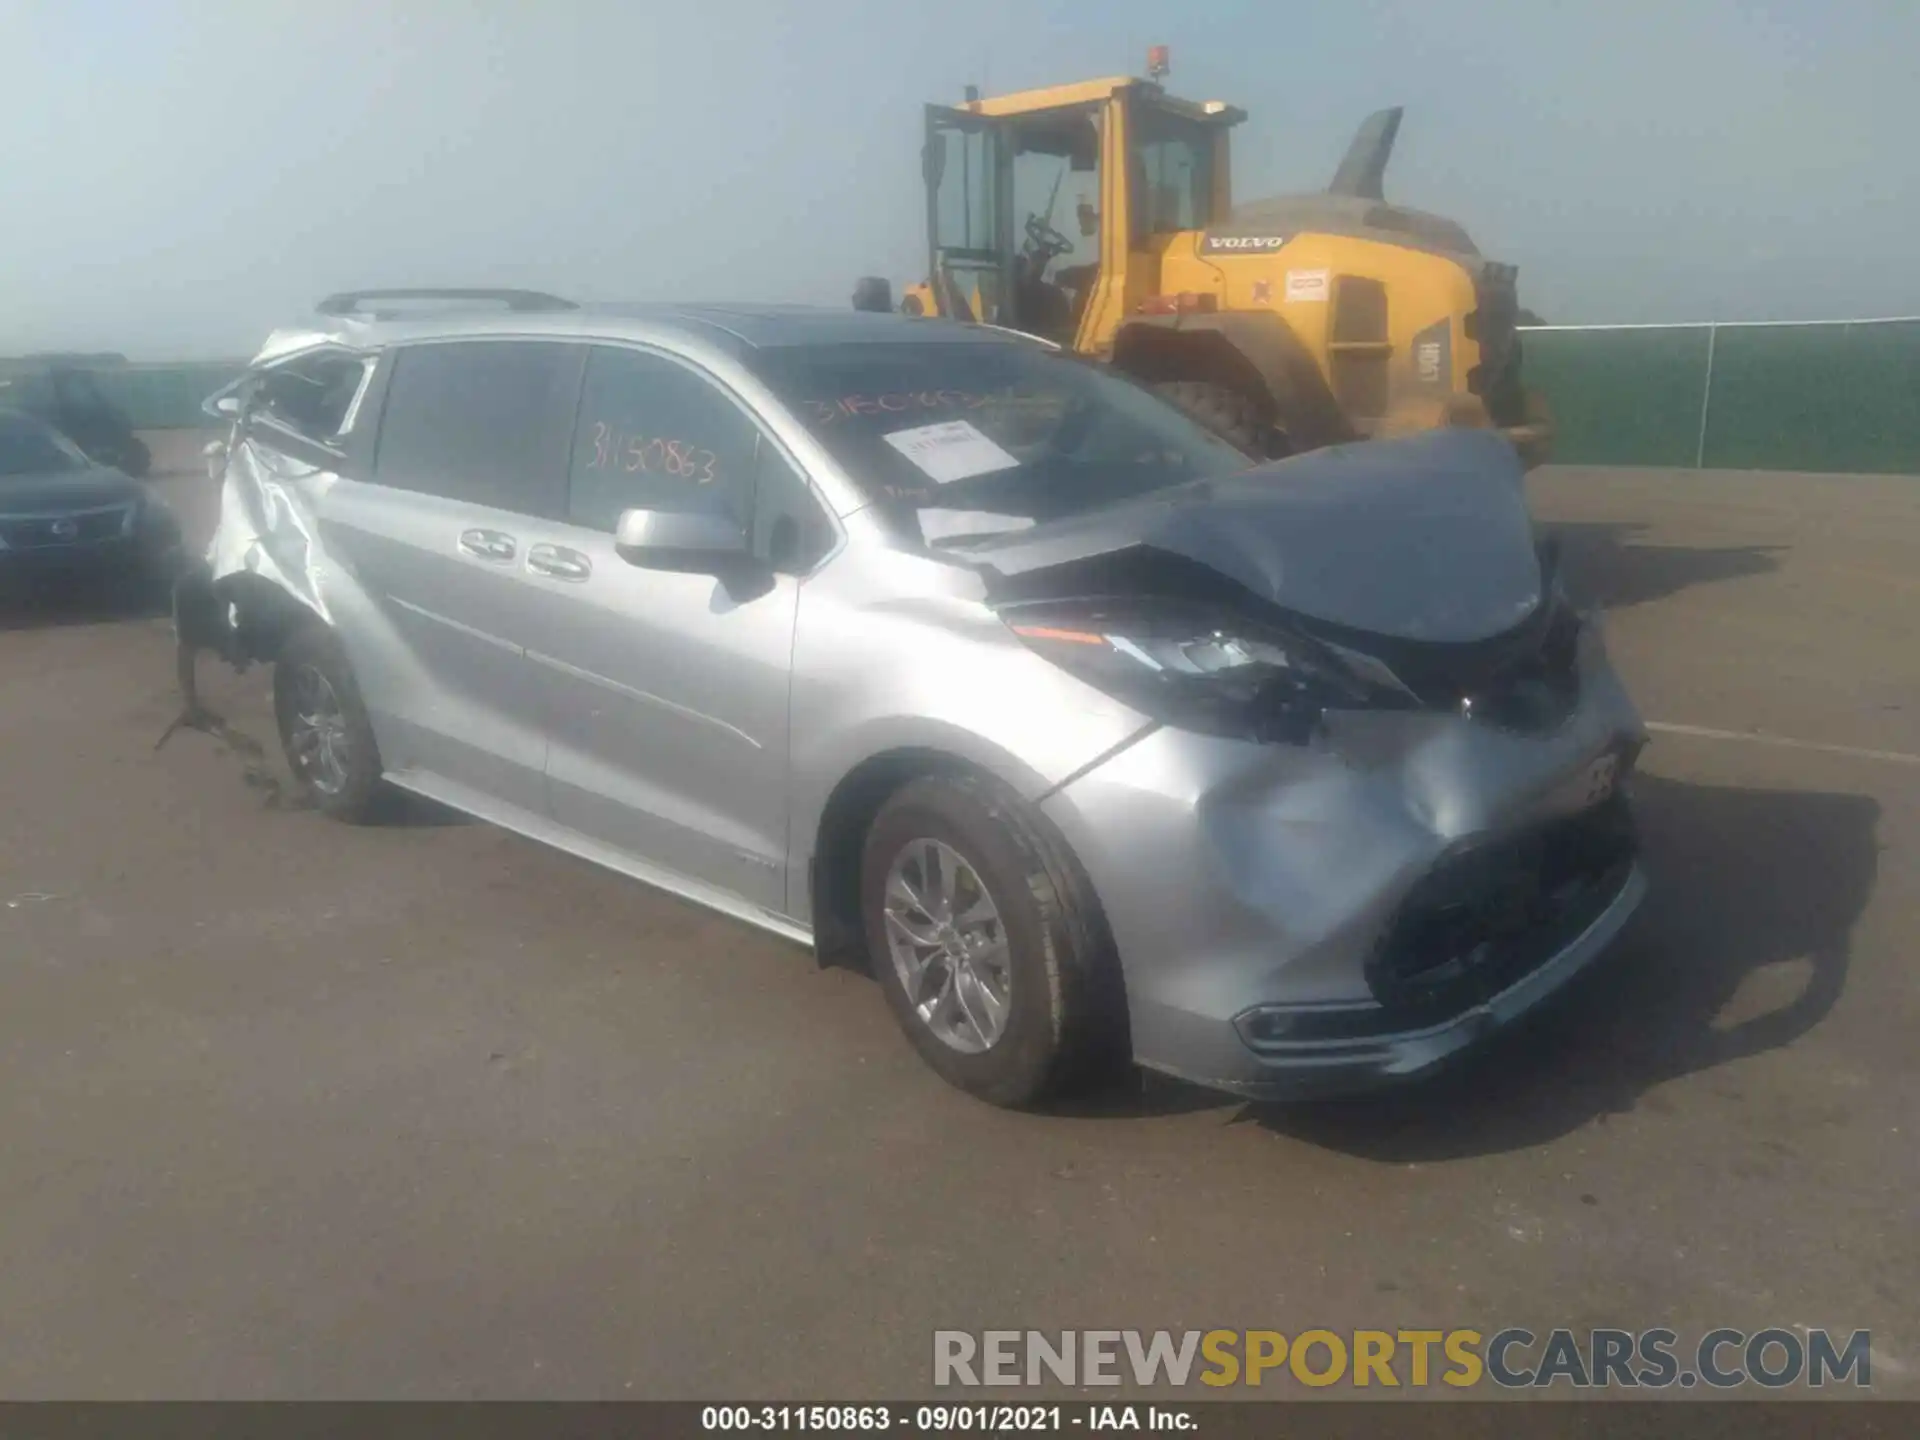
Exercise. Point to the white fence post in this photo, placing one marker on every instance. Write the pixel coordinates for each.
(1706, 400)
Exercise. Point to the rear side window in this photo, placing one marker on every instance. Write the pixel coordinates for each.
(654, 435)
(481, 421)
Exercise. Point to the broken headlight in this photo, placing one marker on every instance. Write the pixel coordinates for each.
(1218, 677)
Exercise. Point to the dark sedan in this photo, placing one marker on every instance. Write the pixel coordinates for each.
(65, 518)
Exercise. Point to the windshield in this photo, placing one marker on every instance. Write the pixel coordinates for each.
(959, 439)
(29, 448)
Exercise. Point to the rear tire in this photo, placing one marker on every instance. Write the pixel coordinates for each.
(324, 728)
(1043, 967)
(1229, 413)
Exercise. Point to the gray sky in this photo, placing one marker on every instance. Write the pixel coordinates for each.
(182, 176)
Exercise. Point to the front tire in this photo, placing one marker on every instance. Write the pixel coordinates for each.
(989, 943)
(324, 729)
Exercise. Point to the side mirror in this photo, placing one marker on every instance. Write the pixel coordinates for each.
(224, 404)
(690, 542)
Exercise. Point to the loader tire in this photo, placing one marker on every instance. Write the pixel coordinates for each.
(1228, 413)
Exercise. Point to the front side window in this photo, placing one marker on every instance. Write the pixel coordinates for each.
(480, 421)
(652, 434)
(312, 395)
(952, 438)
(1173, 173)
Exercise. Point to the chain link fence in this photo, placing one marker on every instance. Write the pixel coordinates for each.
(1832, 396)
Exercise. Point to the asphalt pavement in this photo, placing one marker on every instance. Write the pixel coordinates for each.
(290, 1109)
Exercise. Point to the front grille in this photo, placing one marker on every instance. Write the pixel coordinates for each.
(1491, 913)
(42, 532)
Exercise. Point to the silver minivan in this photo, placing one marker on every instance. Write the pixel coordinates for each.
(936, 647)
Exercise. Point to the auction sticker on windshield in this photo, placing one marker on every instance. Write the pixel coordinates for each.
(952, 450)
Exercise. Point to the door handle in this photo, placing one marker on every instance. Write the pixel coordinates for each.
(559, 562)
(487, 545)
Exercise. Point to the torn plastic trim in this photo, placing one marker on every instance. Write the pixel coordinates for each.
(263, 573)
(267, 525)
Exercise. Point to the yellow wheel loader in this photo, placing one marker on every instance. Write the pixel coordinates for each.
(1284, 324)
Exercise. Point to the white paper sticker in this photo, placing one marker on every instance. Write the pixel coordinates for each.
(1308, 284)
(952, 450)
(937, 524)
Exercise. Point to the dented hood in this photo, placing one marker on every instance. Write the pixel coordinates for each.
(1424, 538)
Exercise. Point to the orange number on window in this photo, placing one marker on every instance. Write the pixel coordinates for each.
(599, 445)
(707, 477)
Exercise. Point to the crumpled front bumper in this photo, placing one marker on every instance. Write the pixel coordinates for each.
(1253, 891)
(1301, 1069)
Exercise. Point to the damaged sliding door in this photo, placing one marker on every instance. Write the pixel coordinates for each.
(472, 453)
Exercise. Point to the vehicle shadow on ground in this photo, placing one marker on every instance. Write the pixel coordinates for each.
(1750, 888)
(1604, 563)
(403, 810)
(252, 740)
(1139, 1095)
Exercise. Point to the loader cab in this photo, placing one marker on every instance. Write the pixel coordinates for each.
(1047, 210)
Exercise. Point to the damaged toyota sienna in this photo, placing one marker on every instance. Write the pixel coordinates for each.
(954, 655)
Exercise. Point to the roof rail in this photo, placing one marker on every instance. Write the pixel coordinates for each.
(352, 302)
